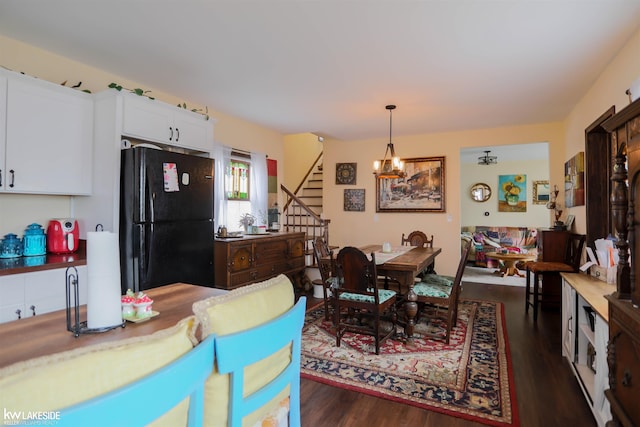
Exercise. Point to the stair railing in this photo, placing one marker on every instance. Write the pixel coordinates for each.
(300, 217)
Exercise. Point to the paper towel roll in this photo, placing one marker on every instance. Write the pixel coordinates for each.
(103, 275)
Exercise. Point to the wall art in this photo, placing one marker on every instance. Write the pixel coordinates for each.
(512, 193)
(422, 189)
(574, 181)
(541, 192)
(354, 200)
(346, 173)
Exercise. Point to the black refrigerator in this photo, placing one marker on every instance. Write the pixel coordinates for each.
(166, 219)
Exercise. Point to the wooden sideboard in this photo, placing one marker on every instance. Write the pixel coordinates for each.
(248, 259)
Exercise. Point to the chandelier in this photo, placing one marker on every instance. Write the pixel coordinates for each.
(487, 159)
(391, 166)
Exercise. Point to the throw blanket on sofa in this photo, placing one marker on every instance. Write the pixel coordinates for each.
(492, 238)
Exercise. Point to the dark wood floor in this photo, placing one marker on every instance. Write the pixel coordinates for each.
(547, 393)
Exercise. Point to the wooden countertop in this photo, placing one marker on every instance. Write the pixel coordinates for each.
(47, 334)
(592, 290)
(258, 236)
(28, 264)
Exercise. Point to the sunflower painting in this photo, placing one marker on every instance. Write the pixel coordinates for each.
(512, 196)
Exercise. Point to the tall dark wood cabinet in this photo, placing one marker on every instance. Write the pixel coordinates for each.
(623, 351)
(551, 245)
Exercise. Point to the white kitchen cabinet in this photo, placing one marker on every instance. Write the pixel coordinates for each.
(585, 334)
(156, 121)
(568, 320)
(48, 139)
(3, 125)
(28, 294)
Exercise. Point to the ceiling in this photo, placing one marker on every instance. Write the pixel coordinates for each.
(330, 67)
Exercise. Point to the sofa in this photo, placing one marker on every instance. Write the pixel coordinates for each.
(497, 239)
(53, 382)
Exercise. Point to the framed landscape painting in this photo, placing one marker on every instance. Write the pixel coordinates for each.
(422, 188)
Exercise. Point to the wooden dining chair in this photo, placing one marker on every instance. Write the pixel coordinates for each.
(443, 292)
(321, 252)
(359, 303)
(146, 399)
(540, 269)
(420, 239)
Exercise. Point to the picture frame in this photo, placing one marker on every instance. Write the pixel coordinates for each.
(512, 193)
(354, 200)
(541, 192)
(421, 189)
(346, 173)
(574, 184)
(569, 222)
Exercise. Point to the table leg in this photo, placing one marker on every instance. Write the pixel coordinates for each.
(410, 310)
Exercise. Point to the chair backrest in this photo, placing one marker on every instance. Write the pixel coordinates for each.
(463, 261)
(146, 399)
(236, 351)
(417, 238)
(357, 273)
(321, 250)
(573, 253)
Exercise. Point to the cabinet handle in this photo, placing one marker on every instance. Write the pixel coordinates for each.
(0, 177)
(626, 378)
(13, 178)
(33, 309)
(19, 313)
(171, 136)
(570, 324)
(178, 136)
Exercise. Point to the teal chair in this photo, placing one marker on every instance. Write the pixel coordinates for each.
(236, 351)
(443, 292)
(146, 399)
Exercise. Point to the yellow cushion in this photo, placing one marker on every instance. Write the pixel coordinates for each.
(238, 310)
(54, 382)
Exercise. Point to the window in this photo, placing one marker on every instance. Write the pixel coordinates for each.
(236, 180)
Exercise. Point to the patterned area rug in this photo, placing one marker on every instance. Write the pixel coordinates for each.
(470, 378)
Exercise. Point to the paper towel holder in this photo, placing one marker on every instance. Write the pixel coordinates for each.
(73, 304)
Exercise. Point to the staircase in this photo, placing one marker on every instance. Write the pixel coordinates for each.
(303, 212)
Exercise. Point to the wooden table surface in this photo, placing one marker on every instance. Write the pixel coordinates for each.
(47, 334)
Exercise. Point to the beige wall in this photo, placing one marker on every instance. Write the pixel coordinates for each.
(358, 228)
(17, 211)
(300, 151)
(609, 89)
(472, 213)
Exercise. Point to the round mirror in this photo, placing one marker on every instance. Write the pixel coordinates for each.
(480, 192)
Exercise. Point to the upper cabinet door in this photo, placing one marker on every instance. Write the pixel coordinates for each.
(49, 138)
(193, 130)
(147, 119)
(156, 121)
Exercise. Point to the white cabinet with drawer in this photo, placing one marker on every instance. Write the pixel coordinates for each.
(29, 294)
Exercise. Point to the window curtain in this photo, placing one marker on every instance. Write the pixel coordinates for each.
(259, 187)
(222, 156)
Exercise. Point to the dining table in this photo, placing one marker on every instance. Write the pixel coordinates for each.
(404, 263)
